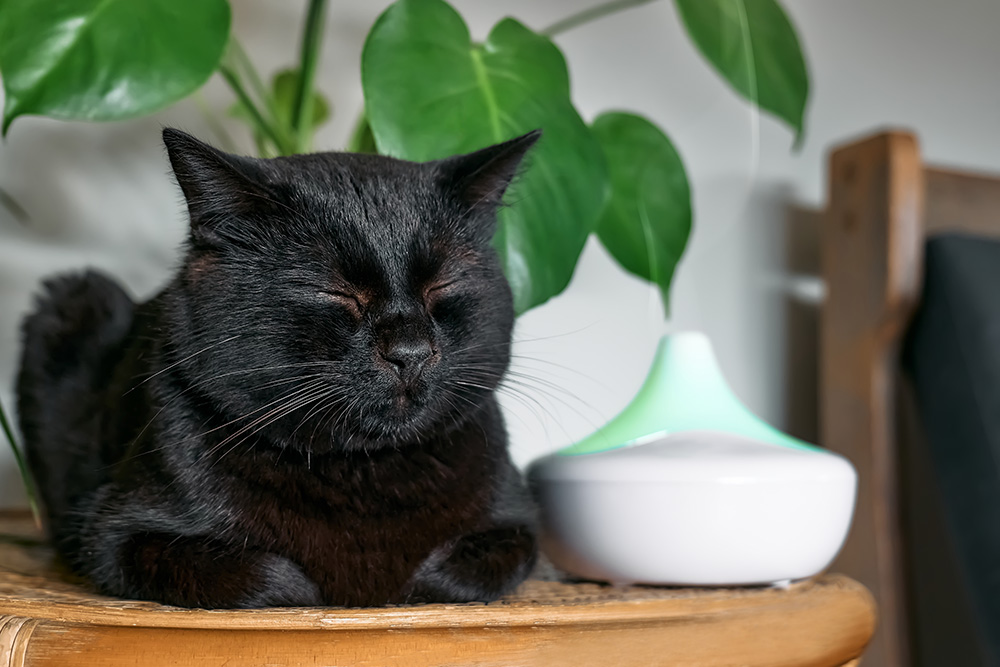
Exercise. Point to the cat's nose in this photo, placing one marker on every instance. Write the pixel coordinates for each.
(408, 358)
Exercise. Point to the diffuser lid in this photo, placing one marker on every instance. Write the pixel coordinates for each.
(684, 391)
(697, 457)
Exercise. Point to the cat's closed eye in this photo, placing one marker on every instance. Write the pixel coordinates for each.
(439, 292)
(440, 287)
(351, 301)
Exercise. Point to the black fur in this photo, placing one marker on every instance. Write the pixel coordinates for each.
(306, 414)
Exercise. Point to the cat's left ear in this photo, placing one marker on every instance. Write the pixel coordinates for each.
(481, 178)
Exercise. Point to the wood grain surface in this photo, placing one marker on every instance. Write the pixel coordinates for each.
(872, 249)
(961, 202)
(46, 619)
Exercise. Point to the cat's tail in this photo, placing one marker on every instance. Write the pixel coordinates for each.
(72, 341)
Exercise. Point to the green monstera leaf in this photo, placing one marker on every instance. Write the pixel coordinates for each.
(647, 221)
(431, 92)
(285, 87)
(754, 47)
(106, 59)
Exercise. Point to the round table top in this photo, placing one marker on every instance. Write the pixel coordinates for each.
(825, 620)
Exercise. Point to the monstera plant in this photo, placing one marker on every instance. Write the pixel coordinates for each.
(430, 90)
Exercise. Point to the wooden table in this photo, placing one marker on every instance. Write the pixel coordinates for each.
(47, 620)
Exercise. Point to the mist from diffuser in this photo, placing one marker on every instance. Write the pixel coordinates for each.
(686, 486)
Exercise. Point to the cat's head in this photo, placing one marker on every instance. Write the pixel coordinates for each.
(342, 300)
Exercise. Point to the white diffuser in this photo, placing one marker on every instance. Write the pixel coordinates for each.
(688, 487)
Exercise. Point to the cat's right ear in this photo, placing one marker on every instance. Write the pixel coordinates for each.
(219, 187)
(481, 178)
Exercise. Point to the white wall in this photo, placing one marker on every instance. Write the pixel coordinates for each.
(101, 194)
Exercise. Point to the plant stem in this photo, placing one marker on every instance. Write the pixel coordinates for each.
(262, 124)
(312, 37)
(242, 60)
(29, 484)
(20, 541)
(591, 14)
(225, 140)
(12, 205)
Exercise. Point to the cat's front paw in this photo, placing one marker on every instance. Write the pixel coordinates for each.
(197, 571)
(281, 583)
(478, 567)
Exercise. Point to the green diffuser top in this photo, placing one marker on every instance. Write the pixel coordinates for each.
(684, 391)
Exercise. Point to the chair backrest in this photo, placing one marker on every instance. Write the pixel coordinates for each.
(883, 202)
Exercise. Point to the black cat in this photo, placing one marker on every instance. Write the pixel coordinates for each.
(306, 414)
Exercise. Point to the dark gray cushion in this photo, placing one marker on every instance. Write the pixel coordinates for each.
(953, 356)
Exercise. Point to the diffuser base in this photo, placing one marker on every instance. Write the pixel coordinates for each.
(697, 508)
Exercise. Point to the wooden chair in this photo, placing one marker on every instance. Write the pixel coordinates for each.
(883, 203)
(48, 621)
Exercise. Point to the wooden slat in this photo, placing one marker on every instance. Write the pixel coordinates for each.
(537, 603)
(962, 202)
(51, 621)
(872, 249)
(792, 636)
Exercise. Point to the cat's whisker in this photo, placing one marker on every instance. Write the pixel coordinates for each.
(586, 416)
(321, 419)
(514, 380)
(297, 404)
(523, 400)
(477, 346)
(516, 340)
(528, 401)
(263, 422)
(295, 395)
(284, 397)
(197, 383)
(335, 395)
(177, 396)
(562, 367)
(346, 411)
(177, 363)
(533, 405)
(453, 394)
(547, 388)
(453, 409)
(282, 381)
(262, 369)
